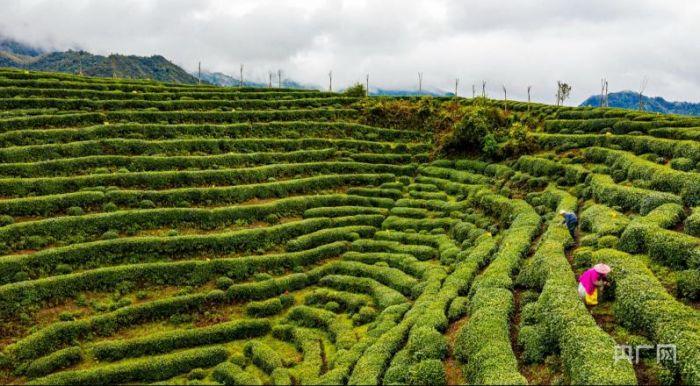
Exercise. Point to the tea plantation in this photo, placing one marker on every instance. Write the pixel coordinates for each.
(163, 233)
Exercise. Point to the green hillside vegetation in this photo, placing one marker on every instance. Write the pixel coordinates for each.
(185, 234)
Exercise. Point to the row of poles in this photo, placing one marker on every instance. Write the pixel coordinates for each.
(330, 82)
(563, 89)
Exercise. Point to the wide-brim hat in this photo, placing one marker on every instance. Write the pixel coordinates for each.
(602, 268)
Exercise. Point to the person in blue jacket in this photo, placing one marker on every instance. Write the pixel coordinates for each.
(571, 222)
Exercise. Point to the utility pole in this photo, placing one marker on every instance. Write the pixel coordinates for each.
(240, 84)
(199, 73)
(330, 81)
(528, 98)
(420, 83)
(456, 86)
(279, 78)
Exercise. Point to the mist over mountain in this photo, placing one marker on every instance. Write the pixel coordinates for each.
(156, 67)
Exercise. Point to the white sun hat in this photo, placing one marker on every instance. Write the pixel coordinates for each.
(602, 268)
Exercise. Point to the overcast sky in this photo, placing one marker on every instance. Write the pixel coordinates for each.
(513, 43)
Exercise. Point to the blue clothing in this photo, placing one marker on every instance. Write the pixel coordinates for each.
(570, 218)
(571, 223)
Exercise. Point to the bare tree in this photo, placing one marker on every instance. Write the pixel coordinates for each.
(330, 81)
(456, 86)
(641, 93)
(483, 89)
(602, 92)
(279, 78)
(367, 85)
(80, 62)
(505, 99)
(270, 79)
(606, 93)
(199, 73)
(473, 90)
(240, 79)
(563, 91)
(529, 88)
(420, 83)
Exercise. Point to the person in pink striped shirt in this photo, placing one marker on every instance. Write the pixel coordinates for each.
(590, 282)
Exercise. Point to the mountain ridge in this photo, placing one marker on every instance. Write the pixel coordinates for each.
(630, 100)
(156, 67)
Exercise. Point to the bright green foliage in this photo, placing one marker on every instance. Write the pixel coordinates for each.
(194, 234)
(146, 369)
(426, 343)
(603, 220)
(692, 223)
(648, 234)
(230, 374)
(169, 341)
(642, 303)
(263, 356)
(427, 372)
(688, 283)
(54, 361)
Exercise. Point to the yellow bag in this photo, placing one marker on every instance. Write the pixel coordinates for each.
(592, 299)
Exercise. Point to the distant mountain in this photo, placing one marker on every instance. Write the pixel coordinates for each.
(221, 79)
(386, 92)
(630, 100)
(14, 54)
(17, 48)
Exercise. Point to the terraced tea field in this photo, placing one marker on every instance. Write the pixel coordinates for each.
(196, 235)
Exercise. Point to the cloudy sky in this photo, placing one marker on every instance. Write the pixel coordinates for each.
(515, 43)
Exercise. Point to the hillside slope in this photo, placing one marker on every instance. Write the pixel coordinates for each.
(193, 234)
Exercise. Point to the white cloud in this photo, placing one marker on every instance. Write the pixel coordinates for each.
(514, 43)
